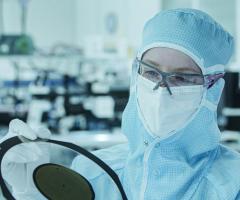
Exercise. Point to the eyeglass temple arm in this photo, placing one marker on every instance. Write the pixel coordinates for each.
(212, 79)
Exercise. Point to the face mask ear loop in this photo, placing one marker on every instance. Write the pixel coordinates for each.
(204, 102)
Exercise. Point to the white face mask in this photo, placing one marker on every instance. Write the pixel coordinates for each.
(163, 113)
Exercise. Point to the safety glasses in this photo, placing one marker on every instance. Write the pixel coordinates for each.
(168, 80)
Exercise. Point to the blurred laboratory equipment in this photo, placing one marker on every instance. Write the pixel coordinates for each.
(93, 99)
(17, 44)
(229, 110)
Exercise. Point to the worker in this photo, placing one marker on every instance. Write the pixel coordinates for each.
(173, 150)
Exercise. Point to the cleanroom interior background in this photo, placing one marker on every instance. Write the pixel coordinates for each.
(75, 80)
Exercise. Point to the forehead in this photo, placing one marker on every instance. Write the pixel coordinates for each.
(171, 59)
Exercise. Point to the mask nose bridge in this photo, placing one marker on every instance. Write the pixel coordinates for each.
(162, 84)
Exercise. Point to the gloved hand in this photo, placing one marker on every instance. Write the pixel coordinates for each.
(20, 161)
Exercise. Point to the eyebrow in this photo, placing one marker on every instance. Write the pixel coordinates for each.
(178, 70)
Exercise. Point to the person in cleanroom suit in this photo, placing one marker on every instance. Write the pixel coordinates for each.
(173, 150)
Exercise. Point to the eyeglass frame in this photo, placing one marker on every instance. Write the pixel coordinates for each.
(209, 79)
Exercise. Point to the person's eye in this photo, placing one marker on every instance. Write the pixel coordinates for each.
(151, 75)
(179, 80)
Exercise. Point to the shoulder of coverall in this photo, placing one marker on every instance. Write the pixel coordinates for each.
(224, 173)
(114, 156)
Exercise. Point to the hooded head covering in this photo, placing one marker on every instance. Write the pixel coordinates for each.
(191, 149)
(191, 31)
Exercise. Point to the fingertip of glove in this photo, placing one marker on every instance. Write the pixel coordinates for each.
(19, 127)
(43, 133)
